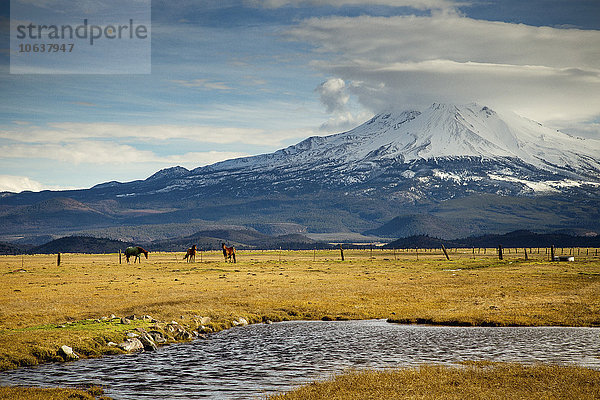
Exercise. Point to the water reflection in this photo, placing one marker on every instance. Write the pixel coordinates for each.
(246, 363)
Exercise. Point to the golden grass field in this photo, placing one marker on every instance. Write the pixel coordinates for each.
(43, 306)
(486, 381)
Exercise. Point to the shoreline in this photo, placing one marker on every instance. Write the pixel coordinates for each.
(175, 333)
(444, 368)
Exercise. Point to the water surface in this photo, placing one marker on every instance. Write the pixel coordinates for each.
(249, 362)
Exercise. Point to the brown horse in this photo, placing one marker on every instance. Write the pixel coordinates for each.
(135, 251)
(190, 256)
(228, 252)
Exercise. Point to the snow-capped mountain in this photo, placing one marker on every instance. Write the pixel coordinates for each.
(442, 131)
(441, 152)
(474, 168)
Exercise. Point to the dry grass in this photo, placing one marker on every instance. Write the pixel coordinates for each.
(17, 393)
(278, 286)
(475, 381)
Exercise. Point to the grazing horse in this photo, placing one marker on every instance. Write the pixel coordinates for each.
(135, 251)
(190, 256)
(228, 252)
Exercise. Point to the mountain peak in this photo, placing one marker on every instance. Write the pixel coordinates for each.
(170, 173)
(441, 131)
(473, 130)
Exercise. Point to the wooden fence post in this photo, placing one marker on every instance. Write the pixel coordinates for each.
(500, 256)
(445, 252)
(526, 258)
(58, 260)
(342, 251)
(119, 256)
(552, 253)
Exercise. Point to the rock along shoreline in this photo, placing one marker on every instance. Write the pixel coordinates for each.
(146, 334)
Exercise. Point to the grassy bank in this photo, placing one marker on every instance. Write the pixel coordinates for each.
(475, 381)
(17, 393)
(43, 307)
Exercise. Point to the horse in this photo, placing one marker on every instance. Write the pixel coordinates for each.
(190, 256)
(135, 251)
(228, 252)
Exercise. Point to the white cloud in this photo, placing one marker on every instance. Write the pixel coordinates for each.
(584, 129)
(546, 74)
(94, 152)
(87, 152)
(16, 184)
(344, 121)
(418, 4)
(333, 95)
(202, 84)
(68, 132)
(450, 37)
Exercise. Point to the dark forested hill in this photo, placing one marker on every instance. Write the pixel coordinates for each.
(10, 249)
(81, 244)
(520, 238)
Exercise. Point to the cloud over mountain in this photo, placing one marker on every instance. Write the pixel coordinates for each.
(416, 60)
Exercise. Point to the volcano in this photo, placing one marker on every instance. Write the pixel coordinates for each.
(468, 164)
(442, 152)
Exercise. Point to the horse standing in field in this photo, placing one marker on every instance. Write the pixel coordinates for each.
(228, 253)
(190, 256)
(135, 251)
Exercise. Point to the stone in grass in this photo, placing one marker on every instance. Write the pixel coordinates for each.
(148, 342)
(67, 353)
(131, 344)
(157, 336)
(178, 331)
(240, 322)
(148, 318)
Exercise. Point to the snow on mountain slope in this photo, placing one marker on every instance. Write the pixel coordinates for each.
(443, 152)
(441, 131)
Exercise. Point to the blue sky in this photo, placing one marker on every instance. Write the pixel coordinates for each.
(242, 77)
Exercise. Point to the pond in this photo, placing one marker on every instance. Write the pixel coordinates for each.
(250, 362)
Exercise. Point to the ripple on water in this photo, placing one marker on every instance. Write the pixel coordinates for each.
(247, 362)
